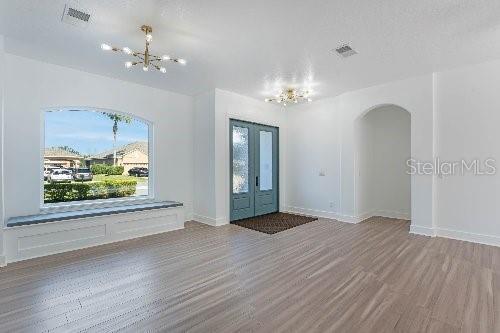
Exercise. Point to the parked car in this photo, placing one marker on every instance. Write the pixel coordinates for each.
(139, 172)
(82, 174)
(46, 172)
(60, 176)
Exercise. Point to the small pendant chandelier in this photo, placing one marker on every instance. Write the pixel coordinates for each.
(146, 59)
(289, 96)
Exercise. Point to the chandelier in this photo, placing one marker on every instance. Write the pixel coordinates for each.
(146, 59)
(289, 96)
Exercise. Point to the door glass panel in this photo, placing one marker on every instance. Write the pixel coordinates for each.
(266, 160)
(240, 160)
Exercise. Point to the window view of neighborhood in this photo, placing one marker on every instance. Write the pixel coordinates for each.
(92, 155)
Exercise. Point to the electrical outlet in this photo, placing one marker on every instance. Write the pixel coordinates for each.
(332, 205)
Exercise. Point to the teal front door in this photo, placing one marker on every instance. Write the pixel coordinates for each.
(254, 169)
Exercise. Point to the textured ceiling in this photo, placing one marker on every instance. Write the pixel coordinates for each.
(253, 47)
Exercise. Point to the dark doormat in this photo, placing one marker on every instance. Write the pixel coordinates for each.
(274, 223)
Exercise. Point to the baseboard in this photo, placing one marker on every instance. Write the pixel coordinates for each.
(424, 231)
(393, 214)
(323, 214)
(468, 236)
(214, 222)
(456, 234)
(3, 261)
(365, 216)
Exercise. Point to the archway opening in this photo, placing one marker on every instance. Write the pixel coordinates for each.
(383, 147)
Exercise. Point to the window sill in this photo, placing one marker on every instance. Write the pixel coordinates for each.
(66, 207)
(95, 212)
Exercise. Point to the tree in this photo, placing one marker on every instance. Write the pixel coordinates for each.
(116, 119)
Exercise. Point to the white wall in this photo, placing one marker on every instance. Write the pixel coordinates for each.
(34, 85)
(321, 136)
(215, 109)
(383, 147)
(313, 164)
(454, 116)
(2, 79)
(468, 108)
(204, 161)
(365, 161)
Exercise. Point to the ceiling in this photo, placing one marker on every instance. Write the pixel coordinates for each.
(253, 47)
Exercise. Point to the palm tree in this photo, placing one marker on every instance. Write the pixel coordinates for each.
(116, 119)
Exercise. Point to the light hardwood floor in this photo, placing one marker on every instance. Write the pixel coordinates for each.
(321, 276)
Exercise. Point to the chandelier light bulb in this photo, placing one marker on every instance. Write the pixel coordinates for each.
(149, 37)
(163, 69)
(105, 47)
(309, 100)
(145, 68)
(181, 61)
(166, 57)
(127, 50)
(128, 64)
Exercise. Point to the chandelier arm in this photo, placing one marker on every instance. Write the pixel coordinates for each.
(145, 57)
(155, 63)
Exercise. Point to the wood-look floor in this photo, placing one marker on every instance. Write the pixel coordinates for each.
(321, 276)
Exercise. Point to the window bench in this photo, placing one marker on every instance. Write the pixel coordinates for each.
(78, 214)
(44, 234)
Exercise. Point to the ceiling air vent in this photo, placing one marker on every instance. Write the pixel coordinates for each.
(345, 51)
(75, 16)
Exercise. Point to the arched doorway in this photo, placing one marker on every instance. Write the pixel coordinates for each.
(383, 147)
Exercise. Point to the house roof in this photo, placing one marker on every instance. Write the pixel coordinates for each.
(60, 152)
(141, 146)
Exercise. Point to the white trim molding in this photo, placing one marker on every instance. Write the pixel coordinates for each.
(347, 218)
(424, 231)
(393, 214)
(37, 240)
(468, 236)
(323, 214)
(456, 234)
(210, 220)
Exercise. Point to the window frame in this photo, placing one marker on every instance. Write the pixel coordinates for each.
(101, 203)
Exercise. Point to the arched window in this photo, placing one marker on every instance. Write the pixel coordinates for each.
(94, 154)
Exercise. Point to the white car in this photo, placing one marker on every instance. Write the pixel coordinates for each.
(60, 176)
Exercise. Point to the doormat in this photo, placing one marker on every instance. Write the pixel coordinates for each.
(274, 223)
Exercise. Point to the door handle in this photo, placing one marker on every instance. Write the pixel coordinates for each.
(257, 181)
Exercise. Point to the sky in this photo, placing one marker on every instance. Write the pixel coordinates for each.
(89, 132)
